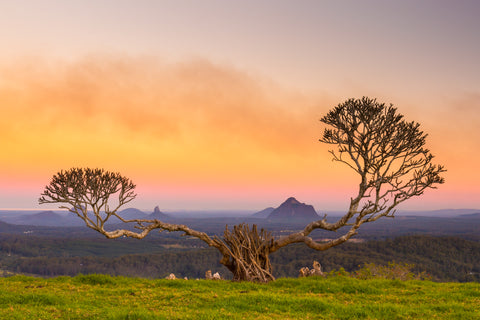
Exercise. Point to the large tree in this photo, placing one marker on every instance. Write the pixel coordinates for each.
(387, 153)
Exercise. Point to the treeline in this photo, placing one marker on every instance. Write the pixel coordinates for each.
(444, 258)
(191, 263)
(41, 246)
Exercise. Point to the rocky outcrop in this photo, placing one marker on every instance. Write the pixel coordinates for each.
(293, 209)
(159, 215)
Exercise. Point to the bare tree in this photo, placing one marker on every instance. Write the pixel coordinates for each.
(372, 139)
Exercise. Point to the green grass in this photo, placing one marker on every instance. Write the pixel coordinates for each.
(105, 297)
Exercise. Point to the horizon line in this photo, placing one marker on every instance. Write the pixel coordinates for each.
(216, 210)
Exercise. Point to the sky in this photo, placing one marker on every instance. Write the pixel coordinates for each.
(215, 105)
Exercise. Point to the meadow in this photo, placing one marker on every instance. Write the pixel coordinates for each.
(338, 297)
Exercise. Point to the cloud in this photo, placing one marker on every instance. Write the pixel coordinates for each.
(191, 118)
(164, 100)
(191, 126)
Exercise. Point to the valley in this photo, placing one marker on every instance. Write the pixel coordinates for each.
(448, 248)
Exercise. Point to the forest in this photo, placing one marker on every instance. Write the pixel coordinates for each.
(444, 258)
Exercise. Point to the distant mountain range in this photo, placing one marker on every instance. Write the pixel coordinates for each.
(292, 208)
(132, 213)
(290, 211)
(67, 219)
(44, 218)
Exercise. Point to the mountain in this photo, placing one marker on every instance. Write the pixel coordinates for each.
(159, 215)
(263, 214)
(293, 209)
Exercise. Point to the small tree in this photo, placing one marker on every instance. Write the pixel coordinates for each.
(372, 139)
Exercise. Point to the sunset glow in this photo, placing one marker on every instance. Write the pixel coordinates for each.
(219, 121)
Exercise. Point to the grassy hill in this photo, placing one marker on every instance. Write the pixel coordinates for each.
(339, 297)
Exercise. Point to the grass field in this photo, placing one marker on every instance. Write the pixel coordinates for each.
(105, 297)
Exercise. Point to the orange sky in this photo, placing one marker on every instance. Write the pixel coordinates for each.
(210, 128)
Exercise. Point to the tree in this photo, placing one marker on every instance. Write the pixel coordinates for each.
(85, 189)
(372, 139)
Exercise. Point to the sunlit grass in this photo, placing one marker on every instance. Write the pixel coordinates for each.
(105, 297)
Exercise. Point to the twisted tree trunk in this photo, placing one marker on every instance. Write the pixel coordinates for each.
(246, 253)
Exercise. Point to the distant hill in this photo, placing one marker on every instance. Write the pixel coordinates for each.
(263, 214)
(292, 209)
(470, 216)
(43, 218)
(442, 213)
(132, 213)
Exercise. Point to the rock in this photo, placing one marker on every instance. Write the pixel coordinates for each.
(171, 276)
(208, 275)
(304, 272)
(215, 276)
(316, 271)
